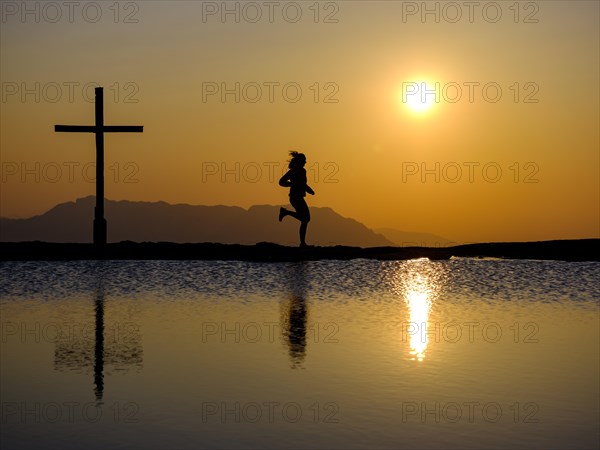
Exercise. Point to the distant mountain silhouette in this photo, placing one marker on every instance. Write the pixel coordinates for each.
(412, 239)
(160, 221)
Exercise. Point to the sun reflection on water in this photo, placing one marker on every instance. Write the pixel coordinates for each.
(418, 282)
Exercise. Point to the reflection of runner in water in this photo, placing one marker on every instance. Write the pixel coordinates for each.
(295, 179)
(294, 312)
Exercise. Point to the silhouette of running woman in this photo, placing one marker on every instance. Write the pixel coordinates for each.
(295, 179)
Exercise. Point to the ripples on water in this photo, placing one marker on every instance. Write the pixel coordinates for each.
(348, 336)
(458, 279)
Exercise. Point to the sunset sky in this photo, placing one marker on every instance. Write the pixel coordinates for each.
(514, 158)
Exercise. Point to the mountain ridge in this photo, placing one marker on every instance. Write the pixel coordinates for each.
(181, 223)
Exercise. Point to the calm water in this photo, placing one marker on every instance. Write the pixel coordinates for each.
(363, 354)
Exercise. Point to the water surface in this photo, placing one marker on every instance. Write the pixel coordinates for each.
(464, 353)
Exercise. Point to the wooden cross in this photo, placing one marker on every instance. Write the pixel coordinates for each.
(99, 129)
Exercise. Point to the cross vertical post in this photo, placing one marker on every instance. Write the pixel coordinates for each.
(99, 220)
(100, 226)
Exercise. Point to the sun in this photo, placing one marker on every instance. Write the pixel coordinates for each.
(419, 96)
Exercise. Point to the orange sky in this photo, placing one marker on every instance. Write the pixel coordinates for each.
(327, 80)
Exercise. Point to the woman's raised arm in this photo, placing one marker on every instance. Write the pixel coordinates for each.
(285, 180)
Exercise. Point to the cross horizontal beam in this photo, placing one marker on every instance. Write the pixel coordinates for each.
(102, 129)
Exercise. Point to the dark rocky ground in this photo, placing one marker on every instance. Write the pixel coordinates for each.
(566, 250)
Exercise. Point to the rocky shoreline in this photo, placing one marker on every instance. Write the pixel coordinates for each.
(564, 250)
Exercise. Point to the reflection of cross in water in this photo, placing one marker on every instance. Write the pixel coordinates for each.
(75, 351)
(99, 346)
(99, 129)
(118, 346)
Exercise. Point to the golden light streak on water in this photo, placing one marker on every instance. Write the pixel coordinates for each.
(419, 283)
